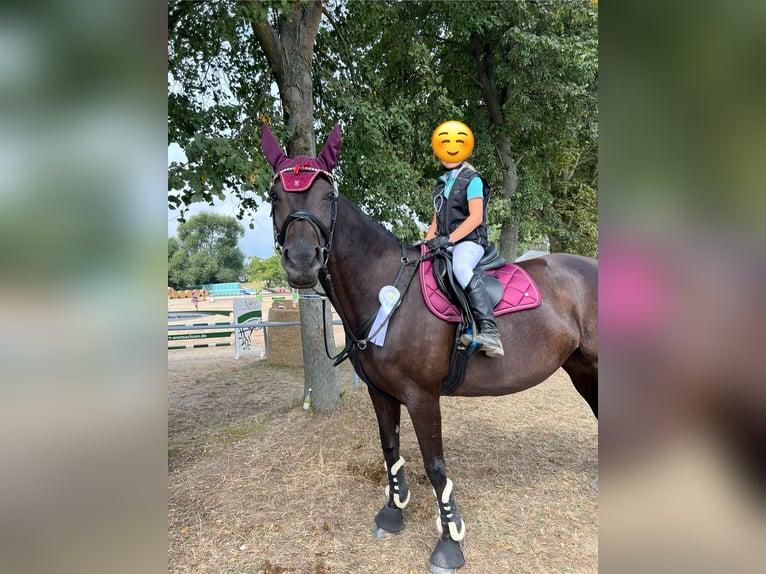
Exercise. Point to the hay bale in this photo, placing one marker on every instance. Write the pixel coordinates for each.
(283, 343)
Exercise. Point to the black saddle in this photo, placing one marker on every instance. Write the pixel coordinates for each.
(445, 279)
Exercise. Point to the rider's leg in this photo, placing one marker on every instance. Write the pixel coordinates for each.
(465, 257)
(488, 337)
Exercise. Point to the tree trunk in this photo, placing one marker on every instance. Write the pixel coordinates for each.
(556, 245)
(509, 236)
(319, 374)
(296, 89)
(495, 100)
(289, 49)
(509, 232)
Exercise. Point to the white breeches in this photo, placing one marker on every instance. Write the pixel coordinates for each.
(465, 256)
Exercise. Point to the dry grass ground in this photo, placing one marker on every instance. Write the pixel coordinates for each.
(258, 485)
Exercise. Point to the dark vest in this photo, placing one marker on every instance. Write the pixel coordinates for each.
(454, 209)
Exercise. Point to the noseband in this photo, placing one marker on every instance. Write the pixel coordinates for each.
(319, 228)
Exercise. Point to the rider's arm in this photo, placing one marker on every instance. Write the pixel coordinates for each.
(431, 233)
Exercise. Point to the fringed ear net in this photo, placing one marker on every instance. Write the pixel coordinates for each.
(271, 148)
(328, 157)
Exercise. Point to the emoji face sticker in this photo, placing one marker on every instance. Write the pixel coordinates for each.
(452, 141)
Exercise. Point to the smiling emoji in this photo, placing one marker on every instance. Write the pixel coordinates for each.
(452, 141)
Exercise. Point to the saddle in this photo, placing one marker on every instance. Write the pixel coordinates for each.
(445, 279)
(509, 286)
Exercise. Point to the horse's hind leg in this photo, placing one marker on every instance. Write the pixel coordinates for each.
(390, 518)
(584, 374)
(426, 418)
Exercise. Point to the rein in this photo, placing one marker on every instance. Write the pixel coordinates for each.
(353, 343)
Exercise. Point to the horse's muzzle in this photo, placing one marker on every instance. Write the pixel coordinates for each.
(302, 266)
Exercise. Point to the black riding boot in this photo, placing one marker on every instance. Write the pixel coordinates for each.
(487, 338)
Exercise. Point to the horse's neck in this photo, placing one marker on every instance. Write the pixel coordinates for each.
(364, 258)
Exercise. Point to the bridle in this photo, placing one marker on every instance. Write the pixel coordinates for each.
(319, 228)
(353, 343)
(327, 234)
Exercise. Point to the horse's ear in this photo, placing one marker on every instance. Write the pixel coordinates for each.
(271, 148)
(328, 157)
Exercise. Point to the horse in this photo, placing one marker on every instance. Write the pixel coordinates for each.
(324, 238)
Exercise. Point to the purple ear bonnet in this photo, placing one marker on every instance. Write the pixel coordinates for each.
(271, 149)
(328, 157)
(304, 169)
(325, 161)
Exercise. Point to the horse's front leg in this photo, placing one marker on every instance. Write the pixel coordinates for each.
(426, 418)
(390, 518)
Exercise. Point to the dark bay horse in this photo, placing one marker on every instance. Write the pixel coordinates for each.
(325, 238)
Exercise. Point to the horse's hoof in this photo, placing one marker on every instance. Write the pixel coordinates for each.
(434, 569)
(594, 484)
(380, 533)
(389, 519)
(446, 558)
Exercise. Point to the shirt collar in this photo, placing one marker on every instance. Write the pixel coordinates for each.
(452, 173)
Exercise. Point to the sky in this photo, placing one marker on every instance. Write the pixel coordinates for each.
(257, 242)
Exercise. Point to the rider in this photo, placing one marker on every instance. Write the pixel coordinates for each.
(460, 199)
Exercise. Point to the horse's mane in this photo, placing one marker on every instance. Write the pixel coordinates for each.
(385, 234)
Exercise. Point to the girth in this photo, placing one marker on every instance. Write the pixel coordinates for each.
(445, 280)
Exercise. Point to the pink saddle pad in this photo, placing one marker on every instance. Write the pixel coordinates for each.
(519, 291)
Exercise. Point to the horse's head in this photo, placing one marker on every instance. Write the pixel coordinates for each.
(303, 207)
(303, 228)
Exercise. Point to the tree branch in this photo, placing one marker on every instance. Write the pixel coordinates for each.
(270, 44)
(335, 27)
(312, 16)
(483, 62)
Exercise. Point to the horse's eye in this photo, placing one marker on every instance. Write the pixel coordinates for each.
(274, 197)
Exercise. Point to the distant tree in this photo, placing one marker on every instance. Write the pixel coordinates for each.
(177, 264)
(205, 251)
(269, 270)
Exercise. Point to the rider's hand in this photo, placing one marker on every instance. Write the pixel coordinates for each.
(439, 242)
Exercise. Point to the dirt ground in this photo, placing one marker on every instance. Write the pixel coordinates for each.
(258, 485)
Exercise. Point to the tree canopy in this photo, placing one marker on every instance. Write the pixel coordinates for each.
(269, 270)
(522, 75)
(205, 251)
